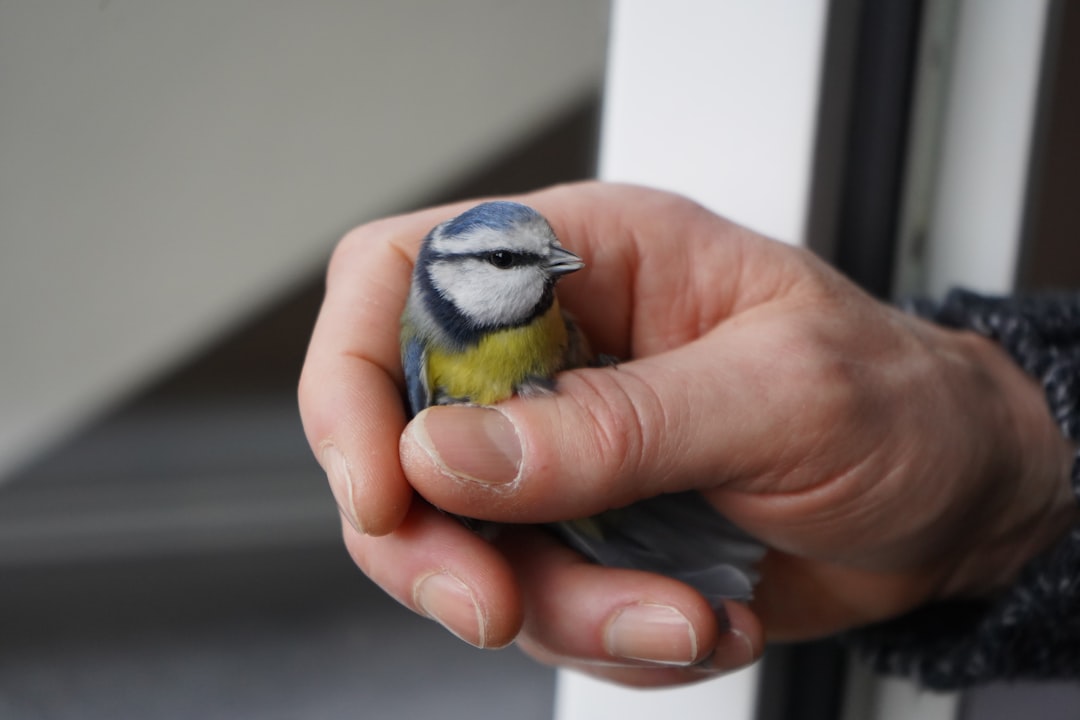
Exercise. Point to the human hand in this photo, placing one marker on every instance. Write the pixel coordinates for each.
(886, 462)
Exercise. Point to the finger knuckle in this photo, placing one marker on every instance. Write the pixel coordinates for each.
(820, 363)
(622, 422)
(343, 257)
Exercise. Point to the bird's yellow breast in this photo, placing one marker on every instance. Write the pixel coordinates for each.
(493, 369)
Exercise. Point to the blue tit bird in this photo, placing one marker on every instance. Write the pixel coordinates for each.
(483, 323)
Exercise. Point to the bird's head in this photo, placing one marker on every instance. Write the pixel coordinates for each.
(496, 264)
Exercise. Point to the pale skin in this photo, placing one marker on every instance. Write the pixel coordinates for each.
(886, 462)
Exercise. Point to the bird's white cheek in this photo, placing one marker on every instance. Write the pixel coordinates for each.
(488, 295)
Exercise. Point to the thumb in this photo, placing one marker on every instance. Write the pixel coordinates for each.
(682, 420)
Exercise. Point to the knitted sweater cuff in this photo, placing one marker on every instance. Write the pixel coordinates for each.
(1031, 630)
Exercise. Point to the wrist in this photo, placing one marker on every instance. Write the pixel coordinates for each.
(1027, 502)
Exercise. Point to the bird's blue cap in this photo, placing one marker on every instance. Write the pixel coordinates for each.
(497, 215)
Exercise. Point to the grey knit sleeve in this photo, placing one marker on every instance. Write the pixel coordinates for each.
(1031, 630)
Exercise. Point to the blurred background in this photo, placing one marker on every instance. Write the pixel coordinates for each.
(173, 177)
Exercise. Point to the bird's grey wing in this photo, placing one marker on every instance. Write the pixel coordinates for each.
(679, 535)
(578, 352)
(414, 363)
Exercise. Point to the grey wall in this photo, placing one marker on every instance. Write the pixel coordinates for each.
(166, 167)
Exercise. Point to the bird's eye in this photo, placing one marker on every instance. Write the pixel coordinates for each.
(501, 259)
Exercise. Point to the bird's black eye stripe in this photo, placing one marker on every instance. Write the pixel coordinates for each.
(504, 259)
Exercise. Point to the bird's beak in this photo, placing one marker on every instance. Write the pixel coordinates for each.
(562, 262)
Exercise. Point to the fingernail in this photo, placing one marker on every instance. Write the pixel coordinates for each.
(732, 652)
(653, 633)
(337, 472)
(352, 523)
(450, 602)
(478, 444)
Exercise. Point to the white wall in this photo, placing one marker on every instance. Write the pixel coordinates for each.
(718, 101)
